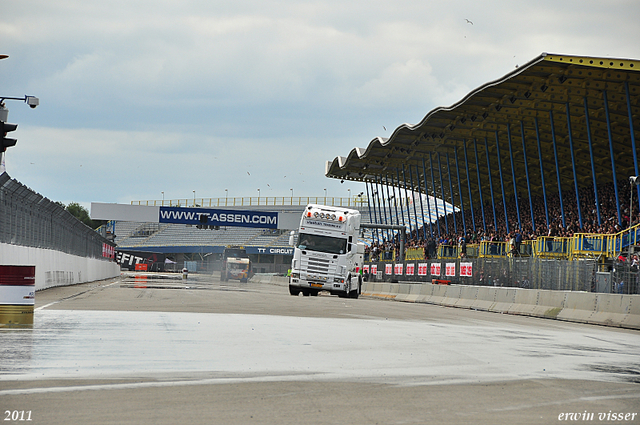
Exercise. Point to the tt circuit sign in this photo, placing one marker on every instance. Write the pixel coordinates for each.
(195, 216)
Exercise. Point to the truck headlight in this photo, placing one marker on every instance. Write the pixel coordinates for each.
(338, 279)
(295, 275)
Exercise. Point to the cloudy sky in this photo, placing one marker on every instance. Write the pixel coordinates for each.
(141, 97)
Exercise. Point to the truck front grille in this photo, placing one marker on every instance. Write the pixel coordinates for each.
(317, 268)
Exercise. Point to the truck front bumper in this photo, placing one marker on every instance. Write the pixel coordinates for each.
(317, 284)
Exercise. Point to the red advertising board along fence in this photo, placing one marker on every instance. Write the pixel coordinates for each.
(17, 295)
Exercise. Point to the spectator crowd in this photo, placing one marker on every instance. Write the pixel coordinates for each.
(451, 231)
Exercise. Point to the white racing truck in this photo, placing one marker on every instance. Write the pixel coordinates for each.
(327, 255)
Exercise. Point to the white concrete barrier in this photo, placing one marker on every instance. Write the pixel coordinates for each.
(633, 317)
(402, 291)
(586, 307)
(414, 293)
(438, 294)
(485, 299)
(468, 296)
(610, 309)
(504, 299)
(426, 289)
(377, 289)
(578, 306)
(525, 302)
(55, 268)
(451, 295)
(549, 304)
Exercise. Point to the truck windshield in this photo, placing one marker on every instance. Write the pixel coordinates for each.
(235, 253)
(327, 244)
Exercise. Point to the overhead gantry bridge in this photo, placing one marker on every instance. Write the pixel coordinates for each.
(558, 127)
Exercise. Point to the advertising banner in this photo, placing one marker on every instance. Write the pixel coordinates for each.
(17, 294)
(423, 269)
(435, 269)
(129, 259)
(398, 269)
(450, 269)
(108, 251)
(269, 250)
(466, 269)
(388, 269)
(410, 269)
(217, 217)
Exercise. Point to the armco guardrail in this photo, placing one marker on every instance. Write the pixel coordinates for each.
(586, 307)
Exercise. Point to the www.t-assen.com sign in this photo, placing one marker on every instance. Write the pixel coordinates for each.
(215, 217)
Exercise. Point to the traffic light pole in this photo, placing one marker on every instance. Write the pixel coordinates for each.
(6, 127)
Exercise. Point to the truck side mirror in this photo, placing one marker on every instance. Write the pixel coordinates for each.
(292, 238)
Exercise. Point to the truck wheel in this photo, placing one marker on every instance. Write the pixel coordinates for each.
(294, 291)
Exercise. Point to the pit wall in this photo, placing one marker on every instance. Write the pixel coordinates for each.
(585, 307)
(55, 268)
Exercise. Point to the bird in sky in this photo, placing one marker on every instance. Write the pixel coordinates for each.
(468, 21)
(248, 173)
(385, 128)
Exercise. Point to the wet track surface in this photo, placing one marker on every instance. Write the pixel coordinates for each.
(143, 333)
(68, 343)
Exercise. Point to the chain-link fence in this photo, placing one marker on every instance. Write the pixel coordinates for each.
(624, 279)
(530, 273)
(29, 219)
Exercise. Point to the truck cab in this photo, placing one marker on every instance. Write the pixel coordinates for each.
(327, 254)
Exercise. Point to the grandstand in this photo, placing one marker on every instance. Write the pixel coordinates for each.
(547, 147)
(167, 236)
(547, 152)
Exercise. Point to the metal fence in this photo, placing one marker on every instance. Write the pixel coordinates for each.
(29, 219)
(524, 272)
(624, 279)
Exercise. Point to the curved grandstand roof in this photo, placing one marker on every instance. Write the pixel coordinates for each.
(572, 99)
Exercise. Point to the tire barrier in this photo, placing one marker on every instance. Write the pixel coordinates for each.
(584, 307)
